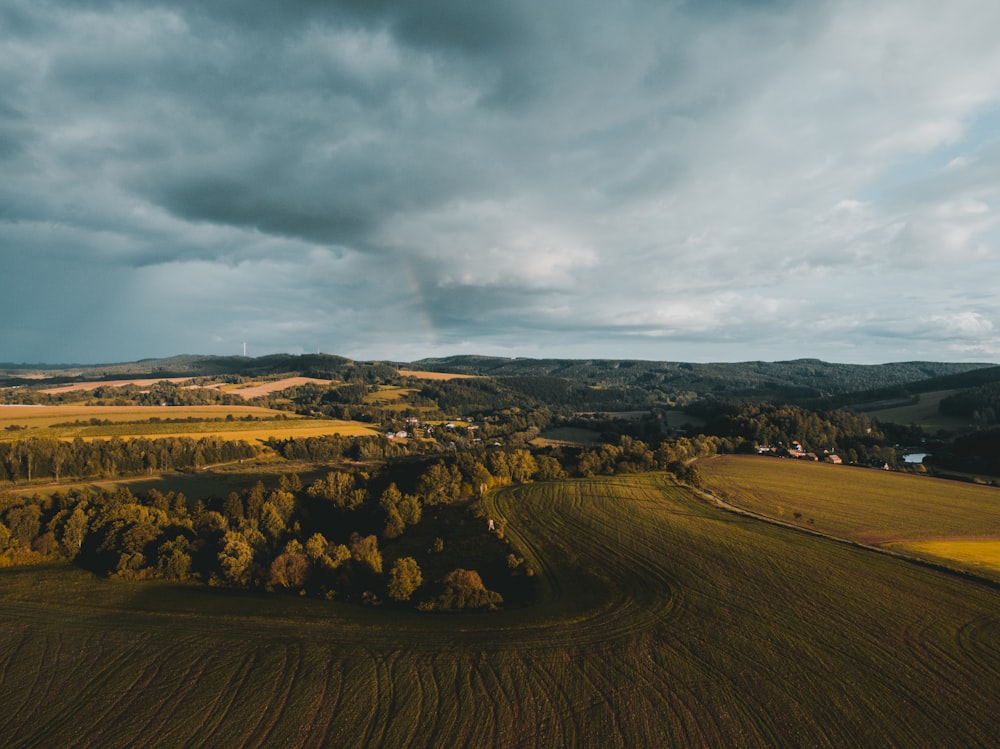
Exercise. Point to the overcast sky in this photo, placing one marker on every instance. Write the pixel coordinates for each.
(381, 179)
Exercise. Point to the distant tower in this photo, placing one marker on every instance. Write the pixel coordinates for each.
(244, 348)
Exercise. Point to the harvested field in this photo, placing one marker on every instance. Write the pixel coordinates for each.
(95, 422)
(421, 375)
(267, 388)
(661, 621)
(86, 387)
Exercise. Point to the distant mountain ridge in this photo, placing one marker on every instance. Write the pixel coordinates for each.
(798, 380)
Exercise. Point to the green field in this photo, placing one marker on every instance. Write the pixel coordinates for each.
(925, 413)
(869, 506)
(661, 621)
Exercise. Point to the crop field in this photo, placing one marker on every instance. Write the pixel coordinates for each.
(661, 620)
(924, 413)
(393, 398)
(422, 375)
(973, 553)
(872, 507)
(261, 389)
(95, 422)
(86, 387)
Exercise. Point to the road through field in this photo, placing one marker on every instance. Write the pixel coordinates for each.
(661, 621)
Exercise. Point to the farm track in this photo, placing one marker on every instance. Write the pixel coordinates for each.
(662, 620)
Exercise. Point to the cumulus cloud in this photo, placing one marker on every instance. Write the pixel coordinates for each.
(388, 179)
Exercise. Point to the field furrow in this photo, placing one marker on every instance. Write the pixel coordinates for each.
(660, 620)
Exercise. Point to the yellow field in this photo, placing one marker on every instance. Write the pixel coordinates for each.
(388, 394)
(421, 375)
(18, 422)
(86, 387)
(266, 388)
(975, 553)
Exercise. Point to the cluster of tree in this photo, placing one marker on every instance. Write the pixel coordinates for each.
(857, 438)
(38, 458)
(164, 393)
(318, 540)
(980, 405)
(329, 448)
(972, 453)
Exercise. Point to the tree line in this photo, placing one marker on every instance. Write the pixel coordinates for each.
(40, 458)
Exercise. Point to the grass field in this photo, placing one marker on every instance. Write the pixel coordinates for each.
(661, 621)
(567, 436)
(69, 422)
(924, 413)
(872, 507)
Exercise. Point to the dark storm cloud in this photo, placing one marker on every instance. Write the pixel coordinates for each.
(393, 178)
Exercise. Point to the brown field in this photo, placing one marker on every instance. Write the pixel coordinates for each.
(86, 387)
(266, 388)
(659, 621)
(421, 375)
(924, 516)
(18, 422)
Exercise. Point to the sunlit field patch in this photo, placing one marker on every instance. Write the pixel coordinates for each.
(421, 375)
(971, 553)
(259, 390)
(224, 422)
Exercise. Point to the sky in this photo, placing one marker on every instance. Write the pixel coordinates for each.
(717, 180)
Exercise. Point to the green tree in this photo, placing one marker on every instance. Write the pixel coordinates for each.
(74, 532)
(464, 589)
(236, 559)
(404, 579)
(364, 551)
(173, 559)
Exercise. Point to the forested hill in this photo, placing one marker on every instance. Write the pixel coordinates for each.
(972, 381)
(800, 379)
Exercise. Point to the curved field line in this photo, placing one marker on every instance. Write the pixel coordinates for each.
(216, 711)
(661, 620)
(164, 721)
(278, 700)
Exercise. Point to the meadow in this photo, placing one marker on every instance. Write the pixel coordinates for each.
(248, 423)
(925, 413)
(660, 620)
(925, 516)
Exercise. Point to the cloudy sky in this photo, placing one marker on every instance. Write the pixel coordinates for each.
(387, 179)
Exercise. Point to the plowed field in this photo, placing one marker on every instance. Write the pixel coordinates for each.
(661, 621)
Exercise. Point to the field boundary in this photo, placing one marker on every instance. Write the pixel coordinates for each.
(926, 563)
